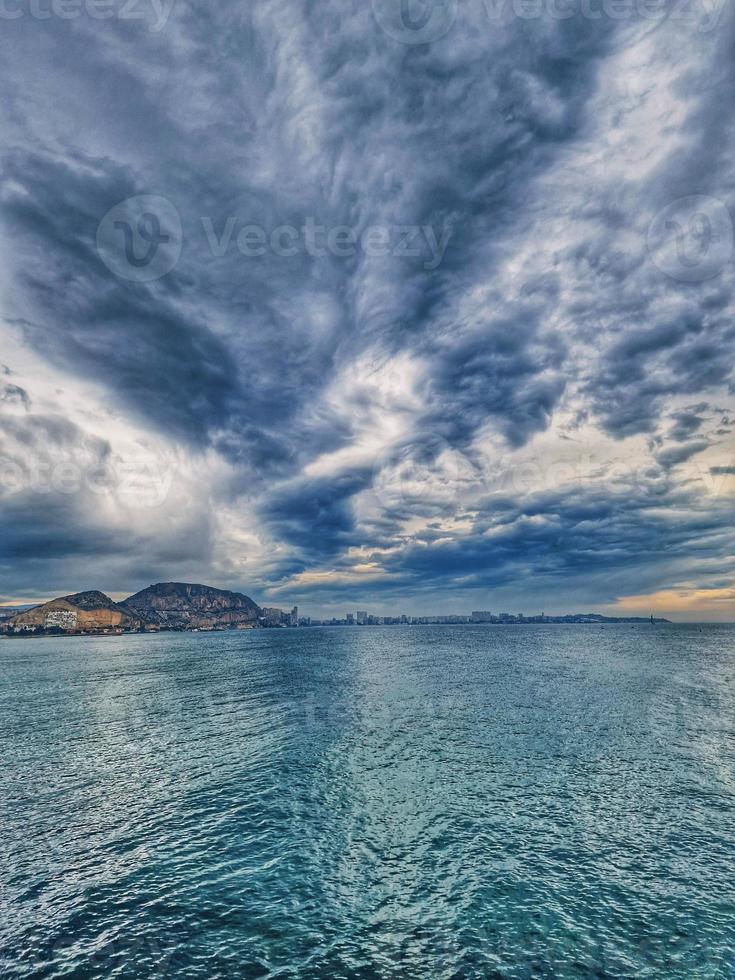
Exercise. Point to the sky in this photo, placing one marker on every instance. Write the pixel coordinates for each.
(396, 305)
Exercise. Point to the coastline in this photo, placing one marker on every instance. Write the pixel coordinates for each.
(102, 634)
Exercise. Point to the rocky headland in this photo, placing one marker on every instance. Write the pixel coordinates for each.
(165, 606)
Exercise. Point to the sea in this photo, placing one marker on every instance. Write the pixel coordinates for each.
(400, 802)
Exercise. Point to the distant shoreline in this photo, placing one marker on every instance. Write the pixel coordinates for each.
(112, 634)
(181, 607)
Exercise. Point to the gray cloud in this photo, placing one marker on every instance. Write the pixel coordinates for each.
(538, 152)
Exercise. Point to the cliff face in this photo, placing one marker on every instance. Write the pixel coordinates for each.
(177, 605)
(84, 611)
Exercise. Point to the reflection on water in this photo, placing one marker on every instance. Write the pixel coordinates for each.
(399, 802)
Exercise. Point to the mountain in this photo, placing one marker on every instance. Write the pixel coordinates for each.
(79, 613)
(178, 605)
(168, 605)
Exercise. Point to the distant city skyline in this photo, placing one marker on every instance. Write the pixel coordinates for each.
(640, 609)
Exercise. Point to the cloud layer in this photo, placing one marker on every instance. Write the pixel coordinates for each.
(389, 304)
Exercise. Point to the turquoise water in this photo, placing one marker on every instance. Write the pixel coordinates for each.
(428, 802)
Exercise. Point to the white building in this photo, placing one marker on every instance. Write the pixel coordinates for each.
(65, 619)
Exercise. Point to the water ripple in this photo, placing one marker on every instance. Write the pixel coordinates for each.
(440, 802)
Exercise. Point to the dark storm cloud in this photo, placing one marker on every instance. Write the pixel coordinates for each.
(650, 363)
(316, 515)
(159, 358)
(680, 454)
(525, 293)
(63, 506)
(601, 540)
(687, 422)
(506, 372)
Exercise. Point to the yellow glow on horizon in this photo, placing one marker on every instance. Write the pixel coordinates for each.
(683, 601)
(364, 572)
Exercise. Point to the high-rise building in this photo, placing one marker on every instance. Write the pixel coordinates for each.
(293, 619)
(482, 616)
(273, 616)
(361, 617)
